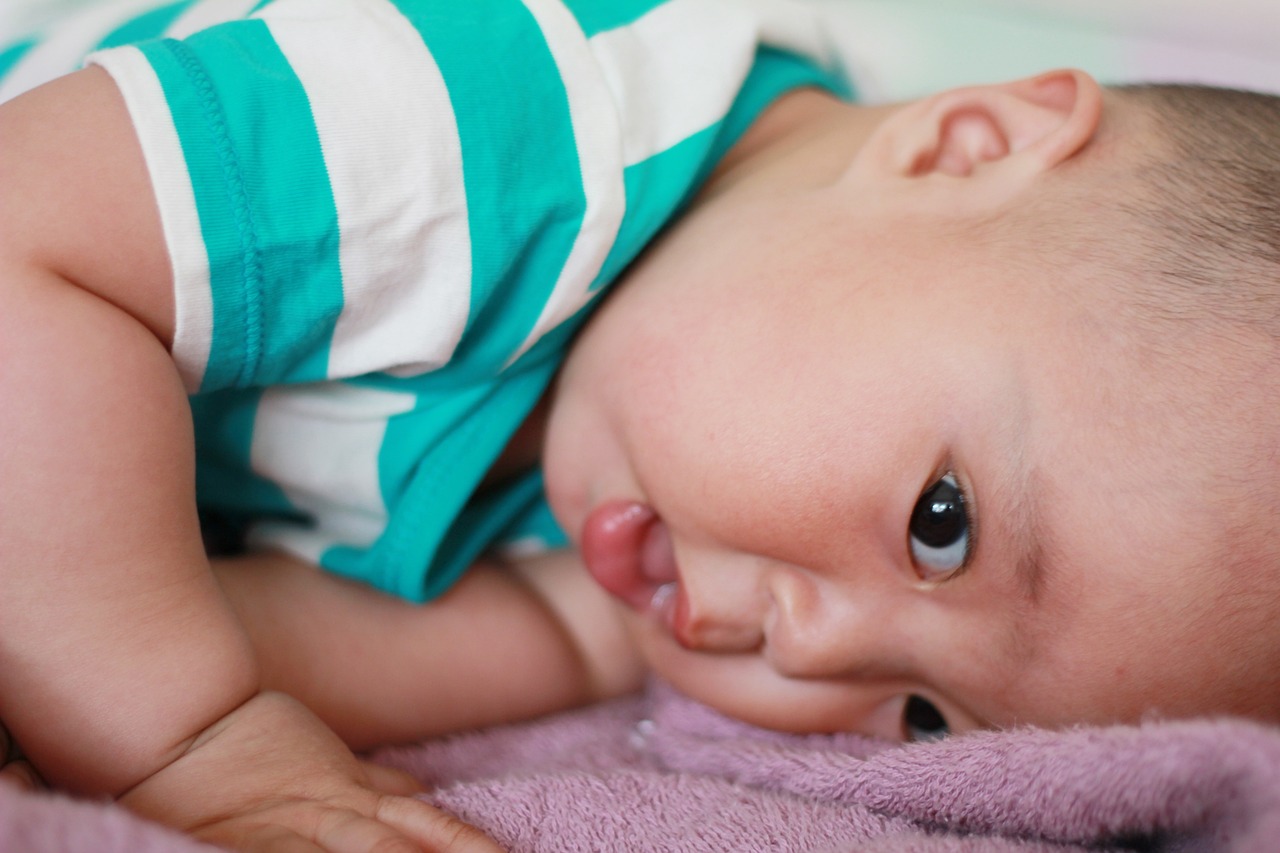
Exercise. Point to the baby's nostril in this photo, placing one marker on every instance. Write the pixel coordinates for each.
(713, 631)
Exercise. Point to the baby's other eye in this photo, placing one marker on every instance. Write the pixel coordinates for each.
(922, 721)
(939, 531)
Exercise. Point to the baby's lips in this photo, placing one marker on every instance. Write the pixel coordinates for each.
(627, 550)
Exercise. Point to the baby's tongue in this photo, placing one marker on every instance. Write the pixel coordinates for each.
(657, 559)
(627, 549)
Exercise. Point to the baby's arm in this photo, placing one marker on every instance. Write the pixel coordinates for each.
(123, 669)
(108, 611)
(507, 642)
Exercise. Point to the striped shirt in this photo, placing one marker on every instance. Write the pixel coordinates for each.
(386, 218)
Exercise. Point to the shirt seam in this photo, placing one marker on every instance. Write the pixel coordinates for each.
(251, 264)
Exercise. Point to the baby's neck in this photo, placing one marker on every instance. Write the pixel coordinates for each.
(806, 139)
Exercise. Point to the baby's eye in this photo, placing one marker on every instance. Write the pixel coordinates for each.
(939, 530)
(922, 721)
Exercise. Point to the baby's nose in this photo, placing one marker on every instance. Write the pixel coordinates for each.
(817, 630)
(718, 610)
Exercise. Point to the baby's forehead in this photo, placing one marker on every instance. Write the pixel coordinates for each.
(1174, 438)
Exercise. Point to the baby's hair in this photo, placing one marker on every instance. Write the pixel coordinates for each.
(1207, 197)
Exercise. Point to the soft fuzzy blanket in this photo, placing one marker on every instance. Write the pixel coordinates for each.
(659, 772)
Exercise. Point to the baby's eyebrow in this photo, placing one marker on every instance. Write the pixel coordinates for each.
(1026, 524)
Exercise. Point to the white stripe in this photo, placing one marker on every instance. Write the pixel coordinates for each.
(391, 147)
(207, 13)
(597, 135)
(675, 71)
(320, 443)
(162, 150)
(67, 43)
(796, 26)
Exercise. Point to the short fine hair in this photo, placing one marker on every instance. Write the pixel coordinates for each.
(1207, 199)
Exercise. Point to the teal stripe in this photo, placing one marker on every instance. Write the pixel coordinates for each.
(655, 188)
(196, 119)
(431, 461)
(149, 25)
(774, 73)
(225, 481)
(537, 524)
(10, 56)
(265, 204)
(596, 16)
(520, 167)
(270, 125)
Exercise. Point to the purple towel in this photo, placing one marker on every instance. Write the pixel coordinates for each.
(660, 772)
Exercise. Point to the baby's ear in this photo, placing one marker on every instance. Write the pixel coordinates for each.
(1020, 129)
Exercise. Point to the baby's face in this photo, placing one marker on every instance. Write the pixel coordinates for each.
(831, 458)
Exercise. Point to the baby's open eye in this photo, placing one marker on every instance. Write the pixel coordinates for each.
(939, 531)
(921, 720)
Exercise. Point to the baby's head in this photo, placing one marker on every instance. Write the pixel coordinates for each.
(975, 400)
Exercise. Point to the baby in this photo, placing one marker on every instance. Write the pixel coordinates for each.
(920, 419)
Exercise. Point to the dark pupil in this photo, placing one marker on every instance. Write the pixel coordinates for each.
(938, 519)
(921, 716)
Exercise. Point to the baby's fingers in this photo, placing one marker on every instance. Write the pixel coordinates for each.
(272, 840)
(435, 830)
(351, 832)
(400, 825)
(389, 780)
(299, 828)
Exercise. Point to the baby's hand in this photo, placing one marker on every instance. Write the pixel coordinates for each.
(271, 776)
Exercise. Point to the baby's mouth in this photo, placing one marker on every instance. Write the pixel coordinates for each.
(627, 549)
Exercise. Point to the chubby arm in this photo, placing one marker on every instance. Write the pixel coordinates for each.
(124, 670)
(508, 642)
(116, 645)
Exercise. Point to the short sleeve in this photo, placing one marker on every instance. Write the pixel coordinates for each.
(307, 169)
